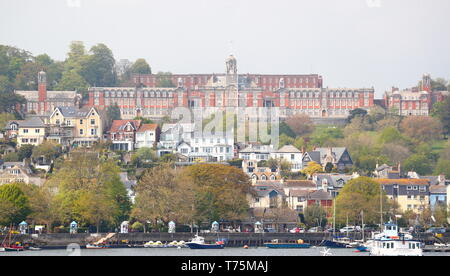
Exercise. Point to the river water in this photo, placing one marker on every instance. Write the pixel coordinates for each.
(313, 251)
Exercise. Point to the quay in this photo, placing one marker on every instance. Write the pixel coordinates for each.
(62, 240)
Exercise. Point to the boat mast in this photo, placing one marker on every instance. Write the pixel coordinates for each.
(334, 217)
(347, 225)
(362, 221)
(381, 208)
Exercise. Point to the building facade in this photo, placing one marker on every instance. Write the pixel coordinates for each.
(31, 131)
(416, 101)
(291, 93)
(43, 102)
(70, 126)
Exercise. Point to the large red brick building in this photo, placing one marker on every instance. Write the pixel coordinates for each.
(291, 93)
(43, 102)
(417, 101)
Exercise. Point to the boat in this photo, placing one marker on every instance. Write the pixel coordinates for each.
(392, 243)
(275, 244)
(9, 246)
(340, 242)
(31, 248)
(157, 244)
(199, 243)
(96, 246)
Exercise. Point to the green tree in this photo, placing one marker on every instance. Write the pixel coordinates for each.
(14, 204)
(112, 113)
(154, 195)
(98, 69)
(141, 66)
(48, 150)
(78, 182)
(418, 163)
(360, 194)
(315, 215)
(220, 192)
(25, 152)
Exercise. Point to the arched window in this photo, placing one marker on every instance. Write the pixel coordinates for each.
(264, 177)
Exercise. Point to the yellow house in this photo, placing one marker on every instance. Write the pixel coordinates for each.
(31, 132)
(409, 193)
(76, 127)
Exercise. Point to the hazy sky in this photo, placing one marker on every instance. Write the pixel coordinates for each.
(351, 43)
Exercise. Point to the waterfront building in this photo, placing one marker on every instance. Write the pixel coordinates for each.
(409, 194)
(43, 102)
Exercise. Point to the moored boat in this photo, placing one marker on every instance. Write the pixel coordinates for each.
(275, 244)
(199, 243)
(96, 246)
(391, 243)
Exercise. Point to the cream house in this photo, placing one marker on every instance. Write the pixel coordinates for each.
(31, 132)
(76, 127)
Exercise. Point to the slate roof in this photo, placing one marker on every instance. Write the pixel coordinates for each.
(337, 151)
(73, 112)
(320, 195)
(33, 122)
(438, 189)
(288, 149)
(299, 184)
(333, 179)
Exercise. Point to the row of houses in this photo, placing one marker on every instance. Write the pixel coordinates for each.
(414, 193)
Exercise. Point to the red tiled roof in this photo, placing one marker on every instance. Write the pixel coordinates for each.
(403, 181)
(148, 127)
(117, 124)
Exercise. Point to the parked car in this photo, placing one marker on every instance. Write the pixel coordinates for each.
(297, 230)
(314, 230)
(348, 229)
(270, 230)
(330, 230)
(436, 230)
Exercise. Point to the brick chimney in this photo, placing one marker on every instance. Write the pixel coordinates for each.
(42, 89)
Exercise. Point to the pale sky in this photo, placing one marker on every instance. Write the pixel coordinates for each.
(351, 43)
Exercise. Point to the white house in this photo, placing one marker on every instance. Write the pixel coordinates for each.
(290, 154)
(147, 136)
(216, 147)
(172, 135)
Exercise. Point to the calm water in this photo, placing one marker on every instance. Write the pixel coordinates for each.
(314, 251)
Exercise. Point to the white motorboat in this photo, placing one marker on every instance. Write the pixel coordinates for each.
(391, 243)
